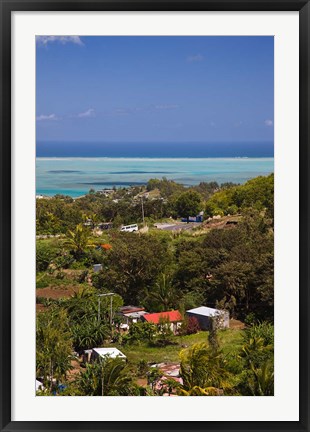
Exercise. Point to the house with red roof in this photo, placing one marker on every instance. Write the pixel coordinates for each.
(173, 317)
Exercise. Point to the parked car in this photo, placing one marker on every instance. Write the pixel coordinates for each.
(129, 228)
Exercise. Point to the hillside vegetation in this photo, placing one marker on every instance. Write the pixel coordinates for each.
(229, 268)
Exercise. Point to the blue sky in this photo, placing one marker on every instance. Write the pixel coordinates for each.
(154, 89)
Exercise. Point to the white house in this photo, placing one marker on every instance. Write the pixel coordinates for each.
(203, 314)
(95, 353)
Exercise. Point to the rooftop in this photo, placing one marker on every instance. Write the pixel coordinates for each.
(111, 352)
(205, 311)
(130, 309)
(135, 314)
(172, 316)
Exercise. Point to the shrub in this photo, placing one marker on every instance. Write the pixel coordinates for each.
(189, 326)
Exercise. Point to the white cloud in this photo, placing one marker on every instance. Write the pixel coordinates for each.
(166, 107)
(44, 40)
(89, 113)
(43, 117)
(268, 122)
(195, 58)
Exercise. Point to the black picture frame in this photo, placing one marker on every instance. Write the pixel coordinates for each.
(6, 8)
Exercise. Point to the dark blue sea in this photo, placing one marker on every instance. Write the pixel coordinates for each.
(155, 150)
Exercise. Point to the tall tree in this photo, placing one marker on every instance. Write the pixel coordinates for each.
(203, 367)
(106, 377)
(189, 204)
(164, 295)
(79, 240)
(134, 264)
(54, 346)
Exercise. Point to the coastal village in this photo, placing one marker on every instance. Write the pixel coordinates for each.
(112, 319)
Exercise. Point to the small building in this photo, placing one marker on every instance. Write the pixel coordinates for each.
(197, 218)
(204, 314)
(97, 268)
(39, 385)
(173, 317)
(106, 192)
(131, 314)
(95, 353)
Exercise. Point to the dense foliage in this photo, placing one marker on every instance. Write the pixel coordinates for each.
(224, 266)
(256, 194)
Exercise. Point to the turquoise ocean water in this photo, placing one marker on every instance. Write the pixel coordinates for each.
(76, 176)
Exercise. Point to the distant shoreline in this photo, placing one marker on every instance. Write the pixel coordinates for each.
(154, 158)
(76, 176)
(45, 195)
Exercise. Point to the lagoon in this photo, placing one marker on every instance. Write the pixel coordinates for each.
(76, 176)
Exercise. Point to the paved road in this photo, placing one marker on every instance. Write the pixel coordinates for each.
(183, 227)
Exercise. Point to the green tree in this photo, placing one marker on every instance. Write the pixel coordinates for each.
(257, 193)
(54, 346)
(189, 204)
(165, 332)
(263, 380)
(134, 264)
(106, 377)
(257, 356)
(203, 367)
(91, 218)
(83, 310)
(45, 254)
(167, 188)
(164, 295)
(141, 332)
(89, 333)
(79, 240)
(153, 377)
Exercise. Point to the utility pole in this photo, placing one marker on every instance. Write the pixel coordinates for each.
(111, 305)
(142, 209)
(111, 310)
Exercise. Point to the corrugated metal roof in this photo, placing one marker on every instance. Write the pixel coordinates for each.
(205, 311)
(129, 309)
(172, 316)
(111, 352)
(135, 314)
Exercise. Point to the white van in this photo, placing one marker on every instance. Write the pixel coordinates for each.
(130, 228)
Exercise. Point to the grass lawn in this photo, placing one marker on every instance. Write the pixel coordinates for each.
(230, 342)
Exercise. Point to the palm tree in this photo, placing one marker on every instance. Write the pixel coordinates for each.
(199, 391)
(257, 356)
(83, 304)
(54, 347)
(264, 380)
(164, 294)
(106, 377)
(52, 223)
(202, 367)
(89, 333)
(79, 240)
(92, 219)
